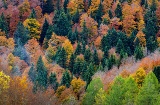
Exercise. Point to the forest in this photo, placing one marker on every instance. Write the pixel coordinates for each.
(79, 52)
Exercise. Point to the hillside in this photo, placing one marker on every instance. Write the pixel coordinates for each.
(80, 52)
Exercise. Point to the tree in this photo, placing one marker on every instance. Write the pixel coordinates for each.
(41, 78)
(3, 24)
(32, 73)
(149, 92)
(71, 63)
(61, 57)
(33, 14)
(76, 17)
(138, 53)
(78, 49)
(91, 91)
(99, 13)
(87, 55)
(53, 81)
(116, 92)
(89, 73)
(65, 5)
(118, 11)
(78, 66)
(44, 31)
(47, 7)
(100, 98)
(21, 35)
(95, 57)
(34, 28)
(119, 46)
(156, 71)
(93, 9)
(66, 79)
(111, 61)
(61, 23)
(85, 32)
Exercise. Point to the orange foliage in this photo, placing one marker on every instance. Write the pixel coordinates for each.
(103, 30)
(141, 36)
(106, 5)
(125, 74)
(93, 7)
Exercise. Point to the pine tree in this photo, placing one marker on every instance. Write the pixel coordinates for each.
(66, 79)
(62, 24)
(99, 13)
(53, 81)
(71, 63)
(95, 57)
(47, 7)
(78, 49)
(33, 14)
(61, 57)
(65, 5)
(85, 33)
(138, 53)
(21, 35)
(89, 73)
(118, 11)
(44, 31)
(4, 25)
(41, 78)
(119, 46)
(76, 17)
(32, 73)
(87, 55)
(78, 66)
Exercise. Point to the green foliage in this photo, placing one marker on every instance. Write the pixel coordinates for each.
(110, 14)
(32, 73)
(53, 81)
(111, 61)
(95, 58)
(149, 93)
(76, 17)
(138, 53)
(66, 79)
(33, 14)
(71, 63)
(87, 55)
(92, 91)
(47, 7)
(118, 11)
(78, 49)
(99, 13)
(156, 71)
(61, 57)
(119, 46)
(65, 5)
(4, 25)
(85, 33)
(78, 66)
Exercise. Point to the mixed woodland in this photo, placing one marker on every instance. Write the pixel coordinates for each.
(80, 52)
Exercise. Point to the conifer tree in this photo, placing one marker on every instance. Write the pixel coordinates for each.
(44, 31)
(66, 79)
(41, 78)
(21, 35)
(110, 14)
(4, 25)
(85, 33)
(78, 49)
(99, 13)
(76, 17)
(118, 11)
(138, 53)
(53, 81)
(143, 2)
(78, 66)
(33, 14)
(89, 73)
(87, 55)
(119, 46)
(111, 61)
(71, 63)
(156, 71)
(47, 7)
(32, 73)
(61, 57)
(65, 5)
(95, 57)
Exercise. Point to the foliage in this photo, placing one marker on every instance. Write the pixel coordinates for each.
(66, 79)
(77, 84)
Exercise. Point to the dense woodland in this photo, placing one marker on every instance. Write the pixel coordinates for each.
(79, 52)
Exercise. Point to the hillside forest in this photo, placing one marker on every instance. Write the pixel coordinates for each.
(79, 52)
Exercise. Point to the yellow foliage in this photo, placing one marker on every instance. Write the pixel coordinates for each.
(24, 7)
(68, 48)
(34, 28)
(60, 90)
(141, 36)
(50, 52)
(158, 40)
(107, 5)
(10, 59)
(139, 76)
(77, 84)
(73, 5)
(4, 82)
(7, 42)
(93, 7)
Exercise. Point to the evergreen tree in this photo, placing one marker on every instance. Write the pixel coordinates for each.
(65, 5)
(62, 24)
(152, 44)
(83, 47)
(99, 13)
(76, 17)
(47, 7)
(106, 53)
(84, 33)
(143, 2)
(118, 11)
(66, 79)
(95, 57)
(110, 14)
(156, 71)
(4, 25)
(32, 73)
(119, 46)
(61, 57)
(89, 73)
(138, 53)
(44, 31)
(71, 63)
(153, 6)
(78, 49)
(21, 35)
(149, 92)
(111, 61)
(87, 55)
(41, 78)
(78, 66)
(84, 70)
(33, 14)
(53, 81)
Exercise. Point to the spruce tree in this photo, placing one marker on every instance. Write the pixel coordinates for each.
(111, 61)
(89, 73)
(44, 31)
(83, 47)
(95, 58)
(71, 63)
(138, 53)
(4, 25)
(41, 78)
(33, 14)
(118, 11)
(21, 35)
(78, 66)
(65, 5)
(66, 79)
(143, 2)
(76, 17)
(119, 46)
(78, 49)
(53, 81)
(156, 71)
(87, 55)
(61, 57)
(47, 7)
(99, 13)
(32, 73)
(62, 24)
(85, 33)
(110, 14)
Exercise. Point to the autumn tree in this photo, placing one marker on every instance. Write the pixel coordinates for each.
(100, 98)
(47, 7)
(41, 78)
(34, 28)
(92, 90)
(62, 23)
(93, 7)
(44, 31)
